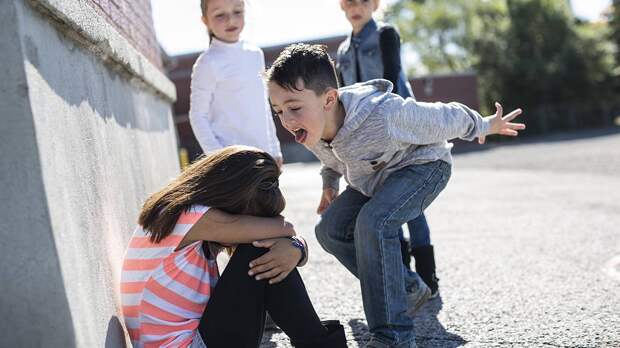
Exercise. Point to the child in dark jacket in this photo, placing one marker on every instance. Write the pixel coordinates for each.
(372, 51)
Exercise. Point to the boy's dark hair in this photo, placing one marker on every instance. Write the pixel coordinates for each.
(235, 179)
(310, 63)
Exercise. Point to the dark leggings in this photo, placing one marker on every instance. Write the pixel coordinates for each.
(235, 313)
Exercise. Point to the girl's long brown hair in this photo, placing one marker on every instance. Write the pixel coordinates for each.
(235, 179)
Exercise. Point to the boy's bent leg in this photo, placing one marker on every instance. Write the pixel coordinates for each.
(335, 230)
(403, 196)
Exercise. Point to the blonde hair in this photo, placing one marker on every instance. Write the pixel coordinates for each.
(203, 10)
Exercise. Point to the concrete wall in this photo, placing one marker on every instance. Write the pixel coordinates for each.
(86, 135)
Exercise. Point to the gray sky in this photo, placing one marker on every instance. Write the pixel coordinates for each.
(179, 29)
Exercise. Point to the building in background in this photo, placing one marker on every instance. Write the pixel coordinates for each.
(86, 134)
(453, 87)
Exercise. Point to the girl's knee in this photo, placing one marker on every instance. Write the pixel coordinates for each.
(247, 252)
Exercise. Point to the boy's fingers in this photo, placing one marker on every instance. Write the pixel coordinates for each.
(499, 109)
(509, 132)
(320, 209)
(323, 205)
(511, 116)
(481, 139)
(519, 126)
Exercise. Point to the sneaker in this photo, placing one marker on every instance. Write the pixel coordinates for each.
(373, 343)
(417, 297)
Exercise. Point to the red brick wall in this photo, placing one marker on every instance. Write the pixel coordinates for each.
(133, 19)
(462, 88)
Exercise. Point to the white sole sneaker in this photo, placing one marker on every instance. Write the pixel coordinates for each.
(416, 299)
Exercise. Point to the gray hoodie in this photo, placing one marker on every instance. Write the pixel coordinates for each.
(383, 133)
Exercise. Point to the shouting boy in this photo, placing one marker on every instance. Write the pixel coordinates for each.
(395, 158)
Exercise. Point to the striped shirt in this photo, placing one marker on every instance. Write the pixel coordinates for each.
(165, 292)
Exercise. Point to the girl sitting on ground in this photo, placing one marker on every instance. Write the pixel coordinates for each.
(172, 293)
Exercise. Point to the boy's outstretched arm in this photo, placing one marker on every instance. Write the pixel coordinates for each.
(427, 123)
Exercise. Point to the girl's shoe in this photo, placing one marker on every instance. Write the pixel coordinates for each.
(334, 337)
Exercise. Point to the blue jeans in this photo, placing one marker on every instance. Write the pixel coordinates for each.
(362, 233)
(419, 233)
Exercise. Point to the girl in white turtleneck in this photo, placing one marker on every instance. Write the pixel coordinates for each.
(228, 101)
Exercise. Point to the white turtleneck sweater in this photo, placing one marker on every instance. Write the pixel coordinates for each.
(228, 101)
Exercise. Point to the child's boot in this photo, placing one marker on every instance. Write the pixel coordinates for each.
(404, 250)
(425, 266)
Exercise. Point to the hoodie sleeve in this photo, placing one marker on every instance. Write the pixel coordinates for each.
(427, 123)
(331, 178)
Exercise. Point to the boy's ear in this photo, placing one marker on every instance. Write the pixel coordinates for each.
(376, 5)
(331, 98)
(204, 20)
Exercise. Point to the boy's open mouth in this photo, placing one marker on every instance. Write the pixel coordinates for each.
(300, 135)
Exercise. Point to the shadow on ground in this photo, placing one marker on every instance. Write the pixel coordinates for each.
(429, 331)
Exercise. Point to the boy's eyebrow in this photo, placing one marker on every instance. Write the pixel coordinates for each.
(289, 100)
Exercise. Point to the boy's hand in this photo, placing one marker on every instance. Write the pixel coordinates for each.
(329, 194)
(278, 262)
(502, 125)
(279, 162)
